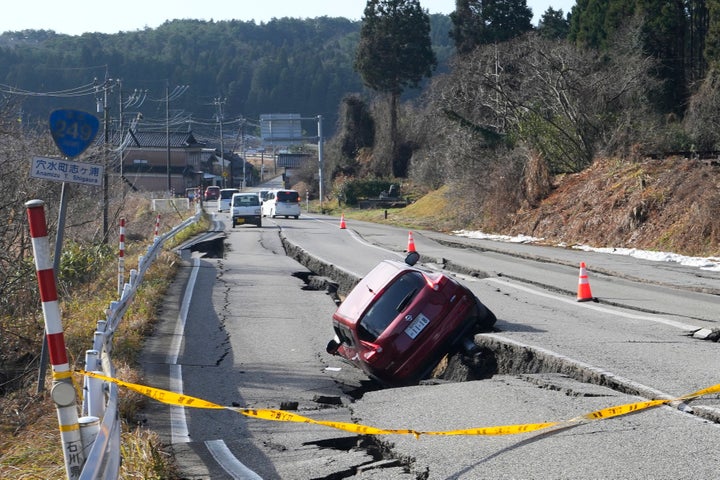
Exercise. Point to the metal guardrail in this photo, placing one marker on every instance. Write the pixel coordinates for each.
(100, 424)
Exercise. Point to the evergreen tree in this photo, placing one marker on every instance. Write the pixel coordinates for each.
(594, 22)
(553, 24)
(712, 40)
(664, 38)
(466, 30)
(394, 52)
(479, 22)
(698, 22)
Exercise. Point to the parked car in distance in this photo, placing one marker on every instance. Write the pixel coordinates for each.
(281, 203)
(263, 195)
(224, 198)
(245, 208)
(399, 321)
(212, 193)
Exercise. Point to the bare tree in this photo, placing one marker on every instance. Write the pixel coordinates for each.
(561, 101)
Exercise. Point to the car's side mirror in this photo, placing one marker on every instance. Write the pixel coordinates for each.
(412, 258)
(333, 346)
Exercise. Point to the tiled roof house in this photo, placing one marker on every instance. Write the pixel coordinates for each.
(145, 161)
(193, 163)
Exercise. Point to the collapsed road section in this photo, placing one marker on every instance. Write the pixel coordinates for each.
(500, 355)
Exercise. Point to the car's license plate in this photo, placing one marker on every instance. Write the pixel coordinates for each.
(239, 220)
(417, 326)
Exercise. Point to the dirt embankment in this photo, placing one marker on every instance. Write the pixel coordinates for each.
(664, 205)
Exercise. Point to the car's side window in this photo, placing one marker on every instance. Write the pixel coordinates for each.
(344, 335)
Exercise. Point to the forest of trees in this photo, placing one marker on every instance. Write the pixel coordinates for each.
(282, 66)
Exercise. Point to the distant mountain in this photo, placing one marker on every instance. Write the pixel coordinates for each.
(286, 65)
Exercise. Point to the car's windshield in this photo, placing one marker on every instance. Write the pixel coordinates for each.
(389, 304)
(226, 194)
(246, 201)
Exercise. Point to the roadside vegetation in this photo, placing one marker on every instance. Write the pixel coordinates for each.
(30, 446)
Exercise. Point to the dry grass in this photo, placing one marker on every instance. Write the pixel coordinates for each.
(664, 205)
(432, 211)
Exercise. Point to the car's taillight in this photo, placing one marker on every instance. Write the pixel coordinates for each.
(372, 352)
(434, 283)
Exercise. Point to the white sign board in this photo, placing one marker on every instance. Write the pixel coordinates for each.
(61, 170)
(281, 129)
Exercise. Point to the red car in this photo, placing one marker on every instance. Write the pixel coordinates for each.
(400, 320)
(212, 193)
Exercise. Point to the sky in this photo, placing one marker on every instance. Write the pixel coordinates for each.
(81, 16)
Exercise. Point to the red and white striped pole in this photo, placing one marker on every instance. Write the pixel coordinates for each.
(157, 227)
(63, 390)
(121, 259)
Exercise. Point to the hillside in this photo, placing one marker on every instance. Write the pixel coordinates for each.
(663, 205)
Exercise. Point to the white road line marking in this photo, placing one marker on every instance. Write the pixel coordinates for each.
(178, 422)
(224, 457)
(619, 313)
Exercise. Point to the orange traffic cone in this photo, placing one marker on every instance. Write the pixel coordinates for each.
(583, 293)
(411, 243)
(342, 221)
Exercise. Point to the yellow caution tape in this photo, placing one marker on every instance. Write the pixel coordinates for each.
(172, 398)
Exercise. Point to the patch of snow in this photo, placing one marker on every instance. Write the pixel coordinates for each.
(710, 263)
(499, 238)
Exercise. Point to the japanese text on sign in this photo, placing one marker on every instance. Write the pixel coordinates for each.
(60, 170)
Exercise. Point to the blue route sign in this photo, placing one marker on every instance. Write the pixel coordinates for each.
(73, 130)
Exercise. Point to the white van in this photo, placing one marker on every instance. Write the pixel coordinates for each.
(225, 198)
(245, 208)
(281, 203)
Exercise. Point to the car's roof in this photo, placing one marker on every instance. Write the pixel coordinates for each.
(245, 194)
(363, 294)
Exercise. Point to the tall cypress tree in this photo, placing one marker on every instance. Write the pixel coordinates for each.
(664, 38)
(553, 25)
(712, 40)
(594, 23)
(479, 22)
(467, 27)
(698, 22)
(395, 51)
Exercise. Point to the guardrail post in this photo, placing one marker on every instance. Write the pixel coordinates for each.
(89, 429)
(63, 390)
(95, 398)
(121, 258)
(157, 226)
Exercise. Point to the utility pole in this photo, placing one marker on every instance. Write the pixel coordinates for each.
(167, 136)
(106, 87)
(176, 93)
(219, 104)
(242, 150)
(320, 160)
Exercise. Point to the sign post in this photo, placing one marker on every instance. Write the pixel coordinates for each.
(73, 131)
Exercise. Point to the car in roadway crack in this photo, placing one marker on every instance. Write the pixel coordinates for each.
(400, 320)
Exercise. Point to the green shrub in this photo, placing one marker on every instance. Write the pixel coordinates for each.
(356, 189)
